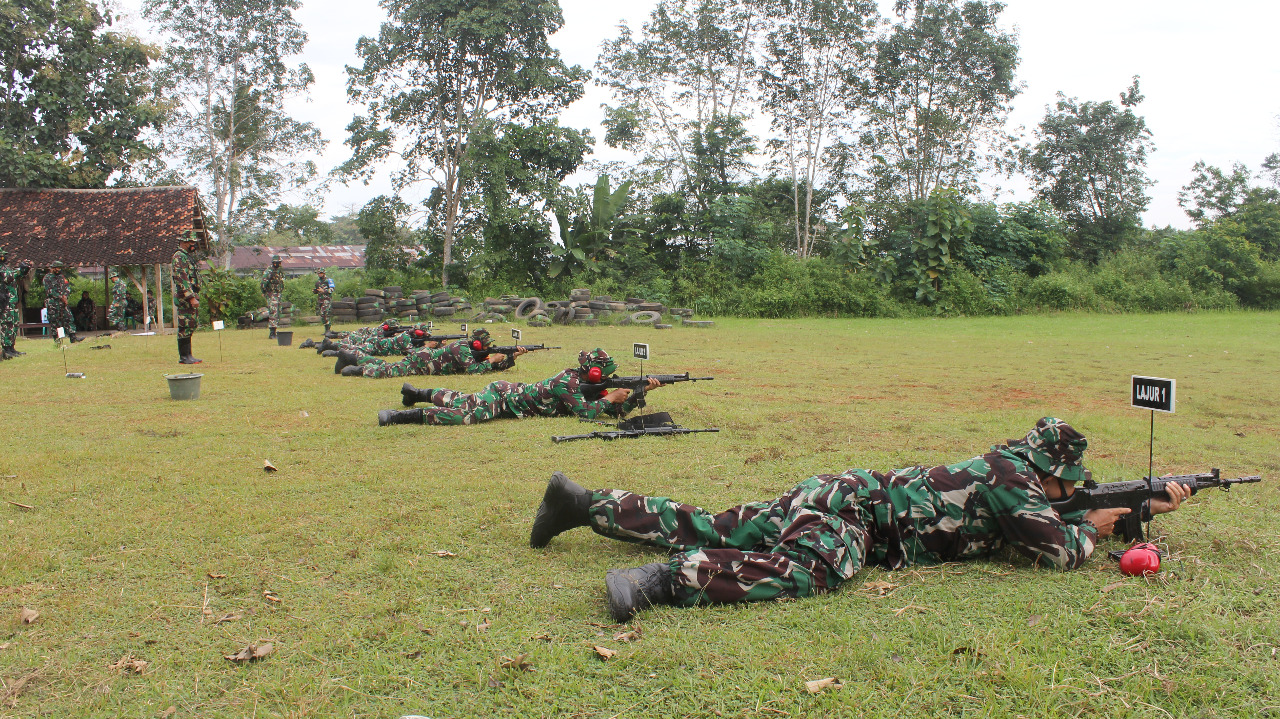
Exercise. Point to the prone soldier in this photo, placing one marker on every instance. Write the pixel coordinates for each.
(560, 395)
(471, 356)
(829, 526)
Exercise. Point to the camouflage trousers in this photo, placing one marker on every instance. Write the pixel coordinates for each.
(59, 316)
(804, 542)
(115, 315)
(324, 305)
(458, 408)
(188, 319)
(273, 311)
(400, 344)
(423, 361)
(9, 320)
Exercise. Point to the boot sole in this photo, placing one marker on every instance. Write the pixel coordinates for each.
(556, 490)
(620, 591)
(408, 395)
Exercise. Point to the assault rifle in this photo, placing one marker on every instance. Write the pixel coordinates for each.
(425, 338)
(657, 424)
(637, 385)
(1135, 495)
(509, 350)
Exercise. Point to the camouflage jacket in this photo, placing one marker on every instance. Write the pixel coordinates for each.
(560, 395)
(322, 288)
(273, 282)
(186, 278)
(458, 354)
(966, 510)
(119, 292)
(10, 276)
(56, 288)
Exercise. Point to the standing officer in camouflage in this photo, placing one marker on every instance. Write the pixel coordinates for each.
(10, 311)
(558, 396)
(273, 287)
(822, 532)
(56, 293)
(324, 298)
(119, 302)
(186, 283)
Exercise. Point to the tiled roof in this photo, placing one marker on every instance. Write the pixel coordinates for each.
(125, 226)
(299, 259)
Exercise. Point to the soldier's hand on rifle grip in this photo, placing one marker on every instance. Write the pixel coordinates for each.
(618, 396)
(496, 357)
(1105, 519)
(1178, 493)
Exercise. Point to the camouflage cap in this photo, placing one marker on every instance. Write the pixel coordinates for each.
(391, 322)
(320, 271)
(1054, 447)
(276, 258)
(189, 236)
(597, 358)
(56, 263)
(4, 251)
(482, 336)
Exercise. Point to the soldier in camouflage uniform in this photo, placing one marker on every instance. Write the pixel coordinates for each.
(10, 311)
(56, 293)
(186, 284)
(324, 298)
(392, 341)
(822, 532)
(119, 301)
(361, 335)
(560, 396)
(273, 287)
(460, 357)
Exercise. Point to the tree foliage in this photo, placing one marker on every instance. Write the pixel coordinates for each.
(438, 71)
(77, 101)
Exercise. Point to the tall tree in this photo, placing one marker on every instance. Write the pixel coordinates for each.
(438, 71)
(683, 89)
(938, 98)
(76, 99)
(1090, 165)
(227, 63)
(812, 80)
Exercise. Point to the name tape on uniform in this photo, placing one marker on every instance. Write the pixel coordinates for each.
(219, 325)
(1154, 393)
(640, 351)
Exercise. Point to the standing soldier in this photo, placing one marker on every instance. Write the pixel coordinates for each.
(56, 294)
(10, 313)
(324, 299)
(119, 301)
(273, 287)
(186, 283)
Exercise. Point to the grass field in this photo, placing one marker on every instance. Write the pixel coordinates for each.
(152, 522)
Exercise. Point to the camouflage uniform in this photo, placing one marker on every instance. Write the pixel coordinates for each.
(273, 287)
(119, 301)
(825, 529)
(10, 312)
(324, 300)
(454, 358)
(56, 293)
(558, 396)
(186, 283)
(380, 345)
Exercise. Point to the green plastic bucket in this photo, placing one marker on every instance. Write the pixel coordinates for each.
(284, 339)
(184, 386)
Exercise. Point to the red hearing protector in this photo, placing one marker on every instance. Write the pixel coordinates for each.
(419, 333)
(386, 327)
(477, 345)
(594, 375)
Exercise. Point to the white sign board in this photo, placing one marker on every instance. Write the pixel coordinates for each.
(62, 333)
(515, 335)
(219, 325)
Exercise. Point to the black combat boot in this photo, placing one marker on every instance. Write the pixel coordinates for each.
(353, 370)
(411, 395)
(182, 351)
(346, 358)
(326, 329)
(630, 590)
(326, 344)
(394, 416)
(273, 334)
(10, 353)
(13, 350)
(564, 506)
(329, 353)
(308, 343)
(75, 339)
(190, 358)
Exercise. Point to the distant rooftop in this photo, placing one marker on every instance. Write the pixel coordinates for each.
(298, 259)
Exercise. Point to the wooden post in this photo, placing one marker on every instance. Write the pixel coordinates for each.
(159, 298)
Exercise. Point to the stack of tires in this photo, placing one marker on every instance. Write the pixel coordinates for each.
(370, 307)
(344, 310)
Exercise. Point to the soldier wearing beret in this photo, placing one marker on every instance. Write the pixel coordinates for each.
(829, 526)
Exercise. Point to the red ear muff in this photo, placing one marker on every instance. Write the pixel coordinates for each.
(419, 333)
(386, 327)
(477, 345)
(594, 375)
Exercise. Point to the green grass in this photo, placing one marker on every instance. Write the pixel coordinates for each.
(138, 500)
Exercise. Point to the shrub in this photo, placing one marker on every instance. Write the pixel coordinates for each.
(1060, 291)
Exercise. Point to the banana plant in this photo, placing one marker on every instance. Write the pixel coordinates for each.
(589, 239)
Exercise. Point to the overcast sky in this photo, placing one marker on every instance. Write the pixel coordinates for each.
(1210, 73)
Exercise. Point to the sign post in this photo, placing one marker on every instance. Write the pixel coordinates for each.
(515, 335)
(218, 326)
(1156, 394)
(640, 351)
